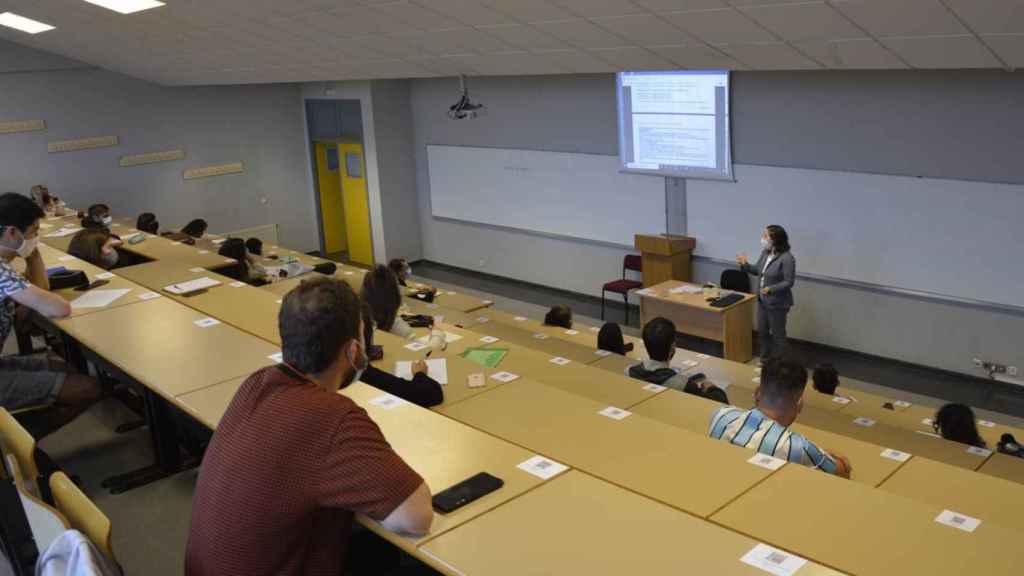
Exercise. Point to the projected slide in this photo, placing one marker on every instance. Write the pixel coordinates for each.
(675, 123)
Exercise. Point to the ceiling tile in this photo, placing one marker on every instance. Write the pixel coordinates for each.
(445, 66)
(597, 8)
(415, 16)
(525, 37)
(1010, 47)
(456, 41)
(379, 46)
(468, 12)
(725, 25)
(697, 56)
(577, 61)
(633, 58)
(511, 63)
(853, 53)
(900, 17)
(530, 10)
(678, 5)
(643, 29)
(947, 52)
(990, 16)
(582, 34)
(769, 56)
(803, 21)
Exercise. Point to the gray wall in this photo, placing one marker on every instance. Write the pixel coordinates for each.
(940, 124)
(392, 124)
(261, 126)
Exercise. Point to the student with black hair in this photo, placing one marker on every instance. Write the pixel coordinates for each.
(97, 216)
(195, 229)
(825, 379)
(403, 272)
(776, 268)
(28, 381)
(380, 290)
(660, 340)
(247, 270)
(421, 390)
(254, 246)
(610, 339)
(148, 223)
(765, 428)
(96, 246)
(956, 422)
(560, 316)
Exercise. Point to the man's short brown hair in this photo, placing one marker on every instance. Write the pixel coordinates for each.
(317, 318)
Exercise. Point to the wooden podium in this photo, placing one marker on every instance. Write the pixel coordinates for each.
(665, 257)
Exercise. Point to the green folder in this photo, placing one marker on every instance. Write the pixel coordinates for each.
(489, 357)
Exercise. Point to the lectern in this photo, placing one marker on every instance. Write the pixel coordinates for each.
(665, 257)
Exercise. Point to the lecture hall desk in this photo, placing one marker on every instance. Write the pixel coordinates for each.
(1007, 467)
(864, 530)
(684, 470)
(732, 325)
(577, 524)
(538, 341)
(694, 413)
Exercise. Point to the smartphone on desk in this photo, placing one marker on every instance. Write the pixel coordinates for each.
(465, 492)
(91, 285)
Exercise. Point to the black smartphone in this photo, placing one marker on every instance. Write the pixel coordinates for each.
(93, 284)
(465, 492)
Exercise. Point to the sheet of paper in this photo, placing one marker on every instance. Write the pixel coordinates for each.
(65, 258)
(984, 453)
(895, 455)
(192, 285)
(206, 322)
(520, 318)
(865, 422)
(197, 270)
(487, 302)
(542, 467)
(540, 336)
(559, 361)
(840, 400)
(773, 560)
(615, 413)
(237, 284)
(483, 320)
(105, 276)
(958, 521)
(488, 339)
(277, 357)
(62, 232)
(766, 461)
(437, 368)
(449, 337)
(572, 332)
(504, 376)
(986, 424)
(98, 298)
(927, 421)
(595, 329)
(476, 380)
(901, 404)
(148, 296)
(387, 401)
(654, 388)
(687, 289)
(602, 353)
(416, 346)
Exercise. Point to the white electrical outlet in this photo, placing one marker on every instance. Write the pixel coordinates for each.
(1012, 371)
(483, 263)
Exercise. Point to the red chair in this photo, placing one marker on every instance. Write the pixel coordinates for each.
(630, 262)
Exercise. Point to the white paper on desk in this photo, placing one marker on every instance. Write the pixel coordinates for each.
(415, 346)
(572, 332)
(148, 296)
(487, 302)
(192, 285)
(204, 251)
(520, 318)
(865, 422)
(986, 423)
(449, 337)
(766, 461)
(559, 361)
(62, 232)
(615, 413)
(540, 336)
(277, 357)
(197, 270)
(927, 421)
(901, 404)
(483, 320)
(703, 356)
(387, 402)
(895, 455)
(98, 298)
(504, 376)
(983, 452)
(602, 353)
(688, 289)
(237, 284)
(840, 400)
(105, 276)
(437, 368)
(773, 560)
(595, 329)
(206, 322)
(65, 258)
(488, 339)
(646, 292)
(958, 521)
(654, 388)
(542, 468)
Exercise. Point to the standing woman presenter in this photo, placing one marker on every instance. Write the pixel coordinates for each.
(776, 269)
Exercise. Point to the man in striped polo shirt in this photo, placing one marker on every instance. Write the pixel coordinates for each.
(765, 428)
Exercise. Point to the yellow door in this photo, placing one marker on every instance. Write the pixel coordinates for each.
(357, 204)
(332, 207)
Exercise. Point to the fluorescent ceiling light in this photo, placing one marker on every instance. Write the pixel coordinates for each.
(127, 6)
(12, 20)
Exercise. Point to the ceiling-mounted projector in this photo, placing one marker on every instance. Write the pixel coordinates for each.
(465, 108)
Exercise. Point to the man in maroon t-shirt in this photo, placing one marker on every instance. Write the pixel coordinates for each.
(292, 461)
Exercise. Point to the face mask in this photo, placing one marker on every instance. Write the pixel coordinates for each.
(408, 273)
(765, 243)
(27, 247)
(360, 364)
(109, 259)
(107, 220)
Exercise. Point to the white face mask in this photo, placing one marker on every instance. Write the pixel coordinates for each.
(765, 243)
(107, 220)
(27, 247)
(408, 273)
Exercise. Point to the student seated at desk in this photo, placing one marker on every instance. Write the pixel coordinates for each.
(190, 233)
(609, 338)
(48, 202)
(421, 390)
(956, 422)
(765, 428)
(660, 341)
(825, 379)
(27, 380)
(148, 223)
(254, 246)
(292, 460)
(247, 270)
(559, 316)
(97, 216)
(403, 272)
(380, 291)
(95, 246)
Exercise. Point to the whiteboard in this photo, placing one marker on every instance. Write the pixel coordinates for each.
(947, 237)
(576, 195)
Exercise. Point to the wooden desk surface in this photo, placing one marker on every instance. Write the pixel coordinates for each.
(351, 276)
(579, 379)
(461, 302)
(247, 308)
(663, 292)
(946, 487)
(156, 275)
(538, 340)
(684, 470)
(446, 452)
(577, 524)
(864, 530)
(157, 248)
(158, 344)
(207, 405)
(53, 258)
(918, 417)
(459, 370)
(450, 316)
(694, 413)
(1006, 467)
(882, 434)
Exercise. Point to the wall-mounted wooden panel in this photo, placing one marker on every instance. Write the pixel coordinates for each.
(22, 126)
(218, 170)
(82, 144)
(152, 157)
